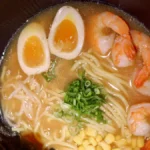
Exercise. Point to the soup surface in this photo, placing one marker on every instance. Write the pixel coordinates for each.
(76, 76)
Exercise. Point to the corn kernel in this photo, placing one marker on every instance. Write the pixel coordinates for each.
(81, 148)
(118, 137)
(98, 138)
(105, 146)
(109, 139)
(92, 141)
(140, 142)
(133, 142)
(98, 148)
(129, 140)
(90, 147)
(85, 143)
(136, 148)
(127, 148)
(82, 134)
(121, 142)
(77, 140)
(91, 132)
(116, 149)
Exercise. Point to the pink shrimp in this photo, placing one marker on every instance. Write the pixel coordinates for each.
(99, 36)
(138, 119)
(114, 22)
(101, 33)
(142, 43)
(122, 52)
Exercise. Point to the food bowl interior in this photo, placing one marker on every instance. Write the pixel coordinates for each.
(14, 13)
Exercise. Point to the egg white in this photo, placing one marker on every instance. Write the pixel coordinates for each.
(70, 13)
(37, 30)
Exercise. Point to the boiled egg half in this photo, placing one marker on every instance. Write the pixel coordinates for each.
(66, 36)
(32, 49)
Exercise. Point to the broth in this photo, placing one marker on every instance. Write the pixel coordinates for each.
(50, 94)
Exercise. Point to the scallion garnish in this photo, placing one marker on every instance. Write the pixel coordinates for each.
(86, 97)
(50, 74)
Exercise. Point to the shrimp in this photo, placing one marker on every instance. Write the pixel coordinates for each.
(139, 119)
(120, 55)
(99, 36)
(145, 88)
(101, 33)
(142, 43)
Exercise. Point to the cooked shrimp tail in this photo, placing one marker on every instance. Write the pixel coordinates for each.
(123, 52)
(129, 48)
(142, 43)
(141, 77)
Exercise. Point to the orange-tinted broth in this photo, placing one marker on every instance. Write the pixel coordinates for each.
(64, 75)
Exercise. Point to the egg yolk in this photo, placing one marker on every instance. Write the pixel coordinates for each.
(66, 36)
(33, 52)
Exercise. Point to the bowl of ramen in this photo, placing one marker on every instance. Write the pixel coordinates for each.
(75, 76)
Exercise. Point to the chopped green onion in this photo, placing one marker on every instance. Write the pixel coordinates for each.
(87, 83)
(76, 89)
(97, 91)
(88, 92)
(79, 96)
(74, 102)
(50, 74)
(86, 97)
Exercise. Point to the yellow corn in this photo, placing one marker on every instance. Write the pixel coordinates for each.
(81, 148)
(91, 132)
(92, 141)
(89, 139)
(90, 147)
(127, 148)
(140, 142)
(133, 142)
(105, 146)
(118, 137)
(121, 142)
(129, 140)
(109, 139)
(82, 134)
(98, 148)
(85, 143)
(98, 138)
(77, 140)
(136, 148)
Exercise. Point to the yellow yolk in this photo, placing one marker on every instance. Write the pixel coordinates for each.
(33, 52)
(66, 36)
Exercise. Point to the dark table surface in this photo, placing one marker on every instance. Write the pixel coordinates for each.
(13, 13)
